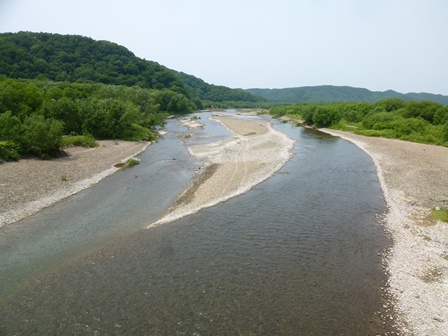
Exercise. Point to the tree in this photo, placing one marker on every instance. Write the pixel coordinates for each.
(41, 136)
(326, 116)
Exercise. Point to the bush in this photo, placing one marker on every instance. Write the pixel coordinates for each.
(8, 151)
(41, 136)
(326, 116)
(79, 140)
(138, 133)
(132, 162)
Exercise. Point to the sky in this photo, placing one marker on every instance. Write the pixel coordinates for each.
(375, 44)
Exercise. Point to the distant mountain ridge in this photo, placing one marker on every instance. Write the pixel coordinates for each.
(331, 93)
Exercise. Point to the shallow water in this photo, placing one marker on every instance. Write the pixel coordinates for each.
(115, 207)
(297, 255)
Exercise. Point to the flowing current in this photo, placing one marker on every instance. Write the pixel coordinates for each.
(299, 254)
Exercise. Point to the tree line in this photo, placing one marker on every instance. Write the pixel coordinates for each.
(419, 121)
(36, 115)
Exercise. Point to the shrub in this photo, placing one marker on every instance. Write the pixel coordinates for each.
(137, 133)
(8, 151)
(132, 162)
(79, 140)
(41, 136)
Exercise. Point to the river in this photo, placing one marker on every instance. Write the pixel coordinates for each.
(299, 254)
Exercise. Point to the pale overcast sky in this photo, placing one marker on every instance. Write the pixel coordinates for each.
(375, 44)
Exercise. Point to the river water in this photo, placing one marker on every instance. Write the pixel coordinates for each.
(296, 255)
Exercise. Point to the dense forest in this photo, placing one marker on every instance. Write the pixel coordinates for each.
(330, 93)
(419, 121)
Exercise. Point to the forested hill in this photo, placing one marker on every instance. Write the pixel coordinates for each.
(329, 93)
(215, 93)
(74, 58)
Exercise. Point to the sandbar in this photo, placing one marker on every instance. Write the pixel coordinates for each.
(232, 166)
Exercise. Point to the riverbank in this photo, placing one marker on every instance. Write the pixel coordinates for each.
(414, 179)
(29, 185)
(233, 166)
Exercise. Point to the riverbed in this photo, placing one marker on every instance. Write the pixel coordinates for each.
(300, 253)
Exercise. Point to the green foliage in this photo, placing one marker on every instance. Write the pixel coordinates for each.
(441, 116)
(42, 137)
(8, 151)
(172, 102)
(444, 133)
(102, 111)
(278, 111)
(75, 58)
(131, 162)
(425, 122)
(79, 140)
(325, 116)
(20, 98)
(136, 133)
(441, 214)
(10, 127)
(215, 93)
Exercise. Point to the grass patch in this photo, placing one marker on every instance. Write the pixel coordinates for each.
(64, 177)
(79, 140)
(441, 215)
(131, 162)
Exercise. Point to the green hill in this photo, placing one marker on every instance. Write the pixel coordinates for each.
(330, 93)
(75, 58)
(215, 93)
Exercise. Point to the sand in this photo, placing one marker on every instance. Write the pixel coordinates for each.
(414, 180)
(233, 166)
